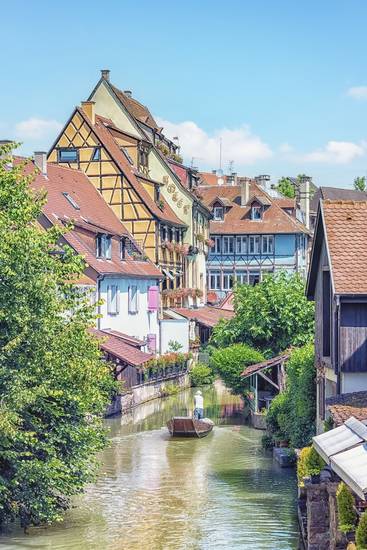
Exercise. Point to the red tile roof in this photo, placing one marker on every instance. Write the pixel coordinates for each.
(346, 235)
(207, 315)
(237, 218)
(253, 369)
(129, 339)
(119, 348)
(93, 214)
(227, 302)
(208, 178)
(344, 406)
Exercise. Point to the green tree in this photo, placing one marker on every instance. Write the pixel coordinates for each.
(292, 413)
(53, 385)
(286, 188)
(360, 183)
(361, 532)
(270, 316)
(230, 362)
(347, 515)
(201, 375)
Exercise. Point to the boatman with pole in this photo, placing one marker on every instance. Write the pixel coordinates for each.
(199, 406)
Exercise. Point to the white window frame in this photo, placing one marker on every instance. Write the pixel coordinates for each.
(254, 243)
(228, 245)
(256, 213)
(242, 277)
(104, 246)
(216, 279)
(267, 244)
(113, 299)
(217, 248)
(241, 244)
(216, 215)
(133, 299)
(227, 280)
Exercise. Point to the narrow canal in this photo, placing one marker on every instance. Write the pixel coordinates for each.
(157, 493)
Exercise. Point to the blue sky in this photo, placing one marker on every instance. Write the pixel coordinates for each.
(283, 83)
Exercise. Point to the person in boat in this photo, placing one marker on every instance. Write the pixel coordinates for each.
(198, 405)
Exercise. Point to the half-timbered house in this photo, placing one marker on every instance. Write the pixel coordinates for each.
(337, 282)
(253, 234)
(93, 144)
(159, 153)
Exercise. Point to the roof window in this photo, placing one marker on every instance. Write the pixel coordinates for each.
(70, 199)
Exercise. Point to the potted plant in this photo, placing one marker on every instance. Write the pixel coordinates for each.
(200, 237)
(209, 243)
(185, 249)
(177, 248)
(347, 515)
(314, 465)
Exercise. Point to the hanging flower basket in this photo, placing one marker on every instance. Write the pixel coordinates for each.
(200, 237)
(185, 250)
(209, 243)
(168, 245)
(178, 248)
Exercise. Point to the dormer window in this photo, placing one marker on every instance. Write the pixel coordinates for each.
(218, 213)
(103, 246)
(256, 213)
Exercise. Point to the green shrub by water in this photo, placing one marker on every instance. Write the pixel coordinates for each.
(361, 532)
(347, 514)
(230, 362)
(309, 464)
(201, 375)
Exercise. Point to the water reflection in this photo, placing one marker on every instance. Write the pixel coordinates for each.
(155, 492)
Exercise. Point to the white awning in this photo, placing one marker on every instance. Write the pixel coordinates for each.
(340, 439)
(345, 449)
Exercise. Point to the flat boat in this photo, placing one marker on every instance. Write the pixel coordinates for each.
(185, 426)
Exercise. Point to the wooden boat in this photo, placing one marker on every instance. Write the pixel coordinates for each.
(185, 426)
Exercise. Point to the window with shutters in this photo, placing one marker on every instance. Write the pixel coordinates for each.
(133, 299)
(113, 300)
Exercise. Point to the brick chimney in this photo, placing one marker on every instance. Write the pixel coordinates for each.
(40, 160)
(245, 190)
(105, 74)
(89, 109)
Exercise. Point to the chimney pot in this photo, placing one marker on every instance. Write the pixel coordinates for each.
(128, 93)
(89, 109)
(105, 73)
(263, 180)
(40, 160)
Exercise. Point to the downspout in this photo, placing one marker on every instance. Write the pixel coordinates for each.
(99, 280)
(337, 346)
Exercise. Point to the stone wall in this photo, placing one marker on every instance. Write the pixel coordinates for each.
(322, 522)
(145, 392)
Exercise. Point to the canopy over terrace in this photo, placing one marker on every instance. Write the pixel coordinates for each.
(345, 449)
(267, 379)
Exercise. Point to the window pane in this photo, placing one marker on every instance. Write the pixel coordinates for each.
(68, 155)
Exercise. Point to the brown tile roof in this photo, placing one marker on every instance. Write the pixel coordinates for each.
(252, 369)
(237, 219)
(103, 133)
(346, 235)
(285, 202)
(336, 193)
(227, 302)
(93, 214)
(208, 178)
(342, 407)
(119, 348)
(136, 109)
(129, 339)
(207, 315)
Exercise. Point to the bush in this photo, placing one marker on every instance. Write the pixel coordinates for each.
(230, 362)
(292, 414)
(201, 375)
(347, 514)
(271, 316)
(267, 442)
(309, 463)
(361, 532)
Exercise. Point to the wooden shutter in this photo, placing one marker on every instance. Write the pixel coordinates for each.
(152, 342)
(153, 298)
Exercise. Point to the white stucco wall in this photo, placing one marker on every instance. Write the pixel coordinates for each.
(138, 324)
(176, 330)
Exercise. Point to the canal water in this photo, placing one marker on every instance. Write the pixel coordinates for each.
(158, 493)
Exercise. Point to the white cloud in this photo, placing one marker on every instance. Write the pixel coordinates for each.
(37, 128)
(336, 152)
(358, 92)
(285, 148)
(239, 145)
